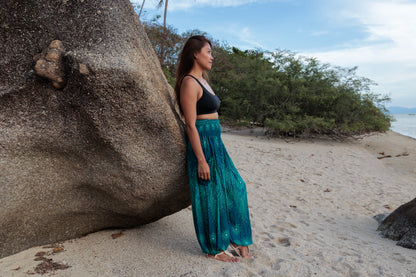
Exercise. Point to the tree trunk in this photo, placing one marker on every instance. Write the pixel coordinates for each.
(141, 8)
(164, 17)
(162, 48)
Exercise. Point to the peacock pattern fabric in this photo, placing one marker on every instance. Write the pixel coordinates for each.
(219, 205)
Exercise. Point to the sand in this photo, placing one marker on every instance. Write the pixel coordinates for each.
(311, 202)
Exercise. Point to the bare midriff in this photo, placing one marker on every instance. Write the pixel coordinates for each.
(207, 116)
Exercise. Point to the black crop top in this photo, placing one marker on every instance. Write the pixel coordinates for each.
(208, 103)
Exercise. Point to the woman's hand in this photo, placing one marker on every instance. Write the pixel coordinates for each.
(204, 171)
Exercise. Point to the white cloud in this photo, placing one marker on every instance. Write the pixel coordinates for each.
(388, 54)
(319, 33)
(244, 35)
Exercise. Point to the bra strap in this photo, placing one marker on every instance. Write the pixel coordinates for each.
(196, 80)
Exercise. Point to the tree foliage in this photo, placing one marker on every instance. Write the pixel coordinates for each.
(167, 44)
(287, 93)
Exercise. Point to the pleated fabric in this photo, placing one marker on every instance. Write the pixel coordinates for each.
(219, 206)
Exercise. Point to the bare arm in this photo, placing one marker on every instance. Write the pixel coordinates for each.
(189, 96)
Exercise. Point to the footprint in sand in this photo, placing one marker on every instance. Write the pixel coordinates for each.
(271, 245)
(283, 241)
(399, 257)
(276, 266)
(265, 234)
(288, 225)
(304, 223)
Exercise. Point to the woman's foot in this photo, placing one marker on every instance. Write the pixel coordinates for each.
(224, 256)
(242, 251)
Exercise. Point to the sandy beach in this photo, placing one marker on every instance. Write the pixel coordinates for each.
(311, 202)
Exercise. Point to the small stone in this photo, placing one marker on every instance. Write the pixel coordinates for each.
(284, 242)
(388, 207)
(50, 65)
(53, 55)
(58, 249)
(114, 236)
(40, 254)
(56, 44)
(83, 69)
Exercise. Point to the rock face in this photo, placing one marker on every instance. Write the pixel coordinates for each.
(89, 134)
(401, 225)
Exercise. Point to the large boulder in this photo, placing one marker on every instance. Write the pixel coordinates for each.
(400, 225)
(90, 137)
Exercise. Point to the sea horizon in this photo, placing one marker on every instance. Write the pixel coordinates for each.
(404, 124)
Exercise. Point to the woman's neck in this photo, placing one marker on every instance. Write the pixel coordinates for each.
(196, 72)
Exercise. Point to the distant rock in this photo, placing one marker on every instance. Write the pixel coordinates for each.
(401, 225)
(89, 133)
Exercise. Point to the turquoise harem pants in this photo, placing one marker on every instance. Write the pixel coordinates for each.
(219, 205)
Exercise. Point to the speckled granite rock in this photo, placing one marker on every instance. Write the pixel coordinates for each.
(101, 147)
(401, 225)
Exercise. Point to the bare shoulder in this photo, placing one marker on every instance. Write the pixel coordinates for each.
(190, 86)
(188, 81)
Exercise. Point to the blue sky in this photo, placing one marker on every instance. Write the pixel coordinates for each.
(378, 36)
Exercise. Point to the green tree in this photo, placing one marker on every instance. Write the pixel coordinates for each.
(167, 44)
(285, 92)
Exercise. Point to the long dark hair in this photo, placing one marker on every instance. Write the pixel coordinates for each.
(186, 58)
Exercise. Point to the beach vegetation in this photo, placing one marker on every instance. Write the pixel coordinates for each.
(287, 93)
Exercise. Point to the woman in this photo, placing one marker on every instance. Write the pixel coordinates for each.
(218, 193)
